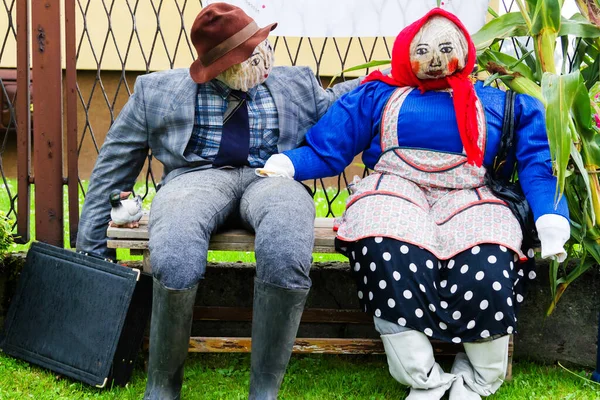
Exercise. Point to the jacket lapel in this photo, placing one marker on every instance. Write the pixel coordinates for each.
(287, 113)
(179, 117)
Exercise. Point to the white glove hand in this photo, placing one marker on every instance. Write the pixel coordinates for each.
(553, 231)
(277, 165)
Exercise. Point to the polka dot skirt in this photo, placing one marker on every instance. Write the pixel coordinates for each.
(474, 295)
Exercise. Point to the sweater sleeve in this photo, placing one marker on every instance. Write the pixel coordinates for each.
(534, 163)
(343, 132)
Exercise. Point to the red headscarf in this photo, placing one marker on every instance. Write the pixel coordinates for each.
(464, 96)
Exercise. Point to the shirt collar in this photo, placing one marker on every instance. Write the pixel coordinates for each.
(223, 90)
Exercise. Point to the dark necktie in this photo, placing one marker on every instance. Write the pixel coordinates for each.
(235, 138)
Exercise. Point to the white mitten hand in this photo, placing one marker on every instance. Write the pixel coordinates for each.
(553, 231)
(277, 165)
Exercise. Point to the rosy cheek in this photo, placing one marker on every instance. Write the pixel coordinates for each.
(452, 66)
(416, 66)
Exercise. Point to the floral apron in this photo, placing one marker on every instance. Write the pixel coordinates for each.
(431, 199)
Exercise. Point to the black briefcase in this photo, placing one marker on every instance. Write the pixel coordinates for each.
(78, 315)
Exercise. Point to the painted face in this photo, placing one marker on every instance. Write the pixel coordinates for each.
(251, 72)
(438, 50)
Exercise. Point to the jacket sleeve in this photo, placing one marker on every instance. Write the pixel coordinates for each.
(343, 132)
(534, 163)
(118, 165)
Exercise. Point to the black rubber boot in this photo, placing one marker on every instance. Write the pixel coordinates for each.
(275, 319)
(170, 328)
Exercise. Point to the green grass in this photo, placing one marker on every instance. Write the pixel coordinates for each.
(318, 377)
(123, 254)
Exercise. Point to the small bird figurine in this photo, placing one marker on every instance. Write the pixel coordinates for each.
(125, 212)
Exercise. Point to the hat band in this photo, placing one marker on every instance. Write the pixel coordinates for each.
(229, 44)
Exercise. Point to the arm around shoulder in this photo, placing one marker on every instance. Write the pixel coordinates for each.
(343, 132)
(324, 98)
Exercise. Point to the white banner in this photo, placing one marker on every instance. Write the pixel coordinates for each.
(354, 18)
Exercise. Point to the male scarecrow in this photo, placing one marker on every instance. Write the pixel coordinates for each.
(210, 126)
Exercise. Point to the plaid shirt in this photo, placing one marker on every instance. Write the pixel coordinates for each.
(211, 103)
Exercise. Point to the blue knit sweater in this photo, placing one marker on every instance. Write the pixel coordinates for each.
(427, 121)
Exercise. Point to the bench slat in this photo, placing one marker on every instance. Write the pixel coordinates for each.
(127, 244)
(302, 346)
(316, 346)
(324, 227)
(137, 245)
(230, 240)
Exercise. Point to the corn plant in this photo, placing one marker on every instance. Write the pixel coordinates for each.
(570, 94)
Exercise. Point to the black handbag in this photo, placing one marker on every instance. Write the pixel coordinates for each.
(505, 185)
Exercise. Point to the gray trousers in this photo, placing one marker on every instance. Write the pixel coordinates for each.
(193, 206)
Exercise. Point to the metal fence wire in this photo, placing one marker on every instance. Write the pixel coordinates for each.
(116, 41)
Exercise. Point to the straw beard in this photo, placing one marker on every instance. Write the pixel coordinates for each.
(251, 72)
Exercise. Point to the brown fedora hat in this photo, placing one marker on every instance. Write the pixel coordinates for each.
(223, 35)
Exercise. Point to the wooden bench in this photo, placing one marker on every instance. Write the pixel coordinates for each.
(136, 240)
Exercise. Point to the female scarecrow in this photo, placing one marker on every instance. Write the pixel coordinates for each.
(435, 253)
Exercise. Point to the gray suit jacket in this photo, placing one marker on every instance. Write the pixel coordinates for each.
(160, 116)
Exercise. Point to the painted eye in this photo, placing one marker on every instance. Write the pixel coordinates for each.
(254, 62)
(421, 51)
(446, 49)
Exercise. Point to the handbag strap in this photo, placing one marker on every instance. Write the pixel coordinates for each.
(508, 133)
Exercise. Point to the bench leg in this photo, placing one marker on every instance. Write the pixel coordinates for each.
(508, 376)
(146, 262)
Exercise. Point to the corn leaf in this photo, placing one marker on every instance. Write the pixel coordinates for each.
(530, 6)
(492, 12)
(561, 284)
(530, 61)
(575, 196)
(593, 249)
(578, 27)
(591, 74)
(582, 112)
(510, 62)
(590, 146)
(559, 92)
(584, 205)
(553, 273)
(371, 64)
(546, 17)
(507, 25)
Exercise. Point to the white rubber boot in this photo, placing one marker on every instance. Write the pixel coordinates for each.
(411, 362)
(480, 371)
